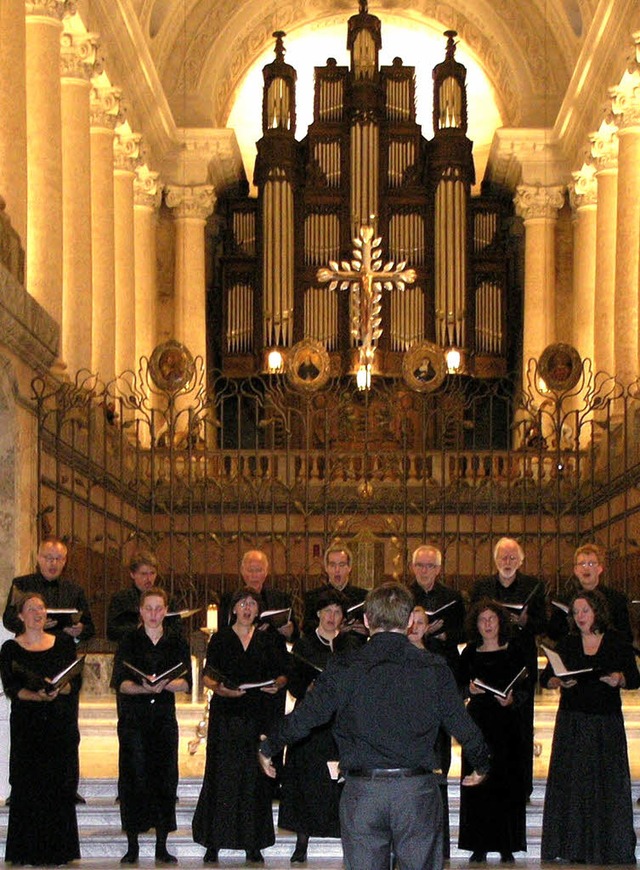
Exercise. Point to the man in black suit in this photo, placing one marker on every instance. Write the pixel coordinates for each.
(338, 562)
(588, 565)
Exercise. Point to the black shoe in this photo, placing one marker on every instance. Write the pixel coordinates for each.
(477, 858)
(210, 856)
(79, 799)
(164, 857)
(130, 857)
(254, 856)
(299, 856)
(507, 858)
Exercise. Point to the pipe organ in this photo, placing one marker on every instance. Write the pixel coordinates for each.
(364, 160)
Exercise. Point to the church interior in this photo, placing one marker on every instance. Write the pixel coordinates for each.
(276, 275)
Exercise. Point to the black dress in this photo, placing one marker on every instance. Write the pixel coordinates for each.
(234, 807)
(44, 745)
(148, 734)
(309, 800)
(588, 812)
(493, 814)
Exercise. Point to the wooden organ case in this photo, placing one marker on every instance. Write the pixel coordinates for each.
(364, 161)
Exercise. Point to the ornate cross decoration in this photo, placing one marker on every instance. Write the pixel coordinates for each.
(367, 278)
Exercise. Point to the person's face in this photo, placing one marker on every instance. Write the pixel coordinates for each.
(254, 573)
(338, 569)
(51, 560)
(588, 570)
(330, 618)
(488, 625)
(508, 561)
(418, 627)
(33, 613)
(246, 611)
(426, 568)
(144, 577)
(153, 611)
(583, 615)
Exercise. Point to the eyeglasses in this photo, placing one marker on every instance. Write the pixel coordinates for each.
(425, 566)
(586, 564)
(53, 558)
(507, 558)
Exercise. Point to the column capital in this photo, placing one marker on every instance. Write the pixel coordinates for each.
(79, 55)
(625, 96)
(193, 201)
(126, 149)
(604, 145)
(105, 106)
(535, 201)
(584, 190)
(49, 8)
(146, 190)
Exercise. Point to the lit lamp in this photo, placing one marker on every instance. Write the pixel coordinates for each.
(212, 618)
(275, 362)
(363, 377)
(454, 360)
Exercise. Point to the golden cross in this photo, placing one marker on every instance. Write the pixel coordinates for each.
(367, 278)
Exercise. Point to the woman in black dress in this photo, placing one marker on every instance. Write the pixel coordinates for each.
(310, 798)
(44, 742)
(588, 812)
(147, 726)
(493, 815)
(234, 807)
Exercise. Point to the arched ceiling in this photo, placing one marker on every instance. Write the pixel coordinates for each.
(202, 48)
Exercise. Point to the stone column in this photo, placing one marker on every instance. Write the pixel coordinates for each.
(126, 151)
(538, 206)
(147, 194)
(78, 54)
(105, 111)
(604, 150)
(625, 104)
(13, 101)
(584, 199)
(192, 206)
(44, 154)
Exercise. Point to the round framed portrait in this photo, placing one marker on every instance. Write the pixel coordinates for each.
(308, 365)
(423, 367)
(171, 366)
(560, 366)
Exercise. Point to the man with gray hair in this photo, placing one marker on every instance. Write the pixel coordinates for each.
(388, 699)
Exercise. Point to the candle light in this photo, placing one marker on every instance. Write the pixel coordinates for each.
(212, 617)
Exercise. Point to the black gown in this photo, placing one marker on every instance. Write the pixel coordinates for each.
(42, 771)
(234, 806)
(588, 811)
(493, 814)
(309, 799)
(148, 734)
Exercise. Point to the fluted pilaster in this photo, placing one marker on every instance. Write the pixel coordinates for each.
(13, 100)
(604, 151)
(146, 195)
(625, 104)
(105, 114)
(192, 205)
(126, 153)
(538, 206)
(78, 58)
(584, 199)
(44, 154)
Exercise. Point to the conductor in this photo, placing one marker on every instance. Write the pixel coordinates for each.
(389, 700)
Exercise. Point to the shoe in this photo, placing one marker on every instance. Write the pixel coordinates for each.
(477, 858)
(254, 856)
(79, 799)
(210, 856)
(507, 858)
(130, 857)
(164, 857)
(299, 856)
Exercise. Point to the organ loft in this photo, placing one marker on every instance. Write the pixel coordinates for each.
(365, 165)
